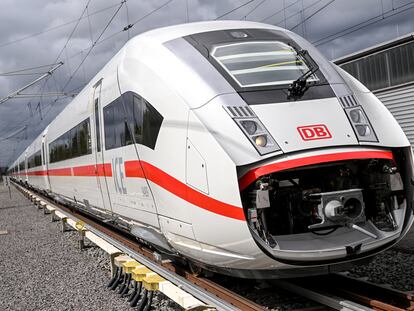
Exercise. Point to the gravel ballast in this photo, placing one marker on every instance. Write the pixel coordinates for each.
(393, 267)
(43, 269)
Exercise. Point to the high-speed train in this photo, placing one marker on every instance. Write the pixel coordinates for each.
(235, 145)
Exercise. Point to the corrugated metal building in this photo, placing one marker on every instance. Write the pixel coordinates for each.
(388, 70)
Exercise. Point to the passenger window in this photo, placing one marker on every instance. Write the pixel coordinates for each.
(138, 118)
(152, 121)
(74, 143)
(131, 113)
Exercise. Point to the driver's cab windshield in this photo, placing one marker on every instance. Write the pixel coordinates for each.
(261, 63)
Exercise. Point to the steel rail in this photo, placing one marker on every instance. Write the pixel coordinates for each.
(339, 291)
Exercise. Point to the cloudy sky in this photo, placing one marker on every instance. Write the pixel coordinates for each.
(35, 33)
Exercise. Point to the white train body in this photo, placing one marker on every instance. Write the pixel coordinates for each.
(172, 159)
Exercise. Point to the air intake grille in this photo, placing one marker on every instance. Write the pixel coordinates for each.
(240, 111)
(348, 101)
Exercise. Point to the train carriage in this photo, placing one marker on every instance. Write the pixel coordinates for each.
(235, 145)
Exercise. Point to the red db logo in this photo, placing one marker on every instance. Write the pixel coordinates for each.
(314, 132)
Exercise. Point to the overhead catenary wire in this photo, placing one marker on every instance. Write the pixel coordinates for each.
(129, 26)
(93, 45)
(366, 23)
(68, 40)
(148, 14)
(73, 30)
(54, 27)
(313, 14)
(278, 11)
(254, 9)
(233, 10)
(89, 24)
(17, 92)
(63, 95)
(21, 71)
(301, 11)
(14, 133)
(127, 18)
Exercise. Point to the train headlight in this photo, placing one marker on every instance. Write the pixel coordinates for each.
(250, 126)
(363, 130)
(254, 130)
(261, 140)
(356, 116)
(361, 125)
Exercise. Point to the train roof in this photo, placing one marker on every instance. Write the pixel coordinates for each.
(168, 33)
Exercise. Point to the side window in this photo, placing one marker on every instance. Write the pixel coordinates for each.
(137, 105)
(109, 127)
(37, 159)
(84, 137)
(131, 113)
(74, 143)
(116, 127)
(152, 121)
(34, 160)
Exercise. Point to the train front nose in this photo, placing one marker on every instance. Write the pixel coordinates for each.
(326, 198)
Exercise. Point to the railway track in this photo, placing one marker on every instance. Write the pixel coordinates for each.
(339, 291)
(332, 292)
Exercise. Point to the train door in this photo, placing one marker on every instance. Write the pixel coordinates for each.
(100, 168)
(45, 175)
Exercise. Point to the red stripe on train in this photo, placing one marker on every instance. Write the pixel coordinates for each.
(60, 172)
(255, 173)
(93, 170)
(181, 190)
(37, 173)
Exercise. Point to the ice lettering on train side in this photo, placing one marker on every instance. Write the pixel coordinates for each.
(118, 174)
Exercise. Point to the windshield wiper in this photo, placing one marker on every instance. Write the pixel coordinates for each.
(300, 86)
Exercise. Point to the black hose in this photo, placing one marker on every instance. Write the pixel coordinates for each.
(135, 299)
(126, 288)
(124, 283)
(143, 301)
(113, 278)
(149, 300)
(134, 290)
(118, 280)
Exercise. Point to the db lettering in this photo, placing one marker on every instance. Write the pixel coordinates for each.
(314, 132)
